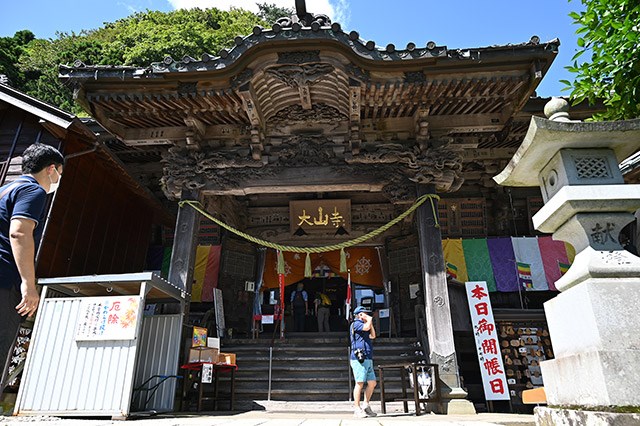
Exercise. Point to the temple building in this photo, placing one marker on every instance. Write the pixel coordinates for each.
(305, 135)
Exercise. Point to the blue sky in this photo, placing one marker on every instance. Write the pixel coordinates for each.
(453, 23)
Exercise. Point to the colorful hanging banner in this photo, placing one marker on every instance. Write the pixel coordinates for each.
(454, 259)
(503, 263)
(524, 274)
(563, 267)
(527, 251)
(554, 253)
(494, 380)
(212, 271)
(363, 262)
(476, 253)
(205, 273)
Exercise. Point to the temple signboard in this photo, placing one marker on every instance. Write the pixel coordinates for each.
(320, 216)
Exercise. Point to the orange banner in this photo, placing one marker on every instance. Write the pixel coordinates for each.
(362, 261)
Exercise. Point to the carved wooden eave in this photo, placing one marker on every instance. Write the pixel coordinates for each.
(284, 94)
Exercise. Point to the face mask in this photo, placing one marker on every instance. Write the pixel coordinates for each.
(54, 185)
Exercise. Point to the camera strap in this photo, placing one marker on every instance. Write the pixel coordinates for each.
(353, 338)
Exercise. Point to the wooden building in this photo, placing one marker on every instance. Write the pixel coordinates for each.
(307, 112)
(101, 219)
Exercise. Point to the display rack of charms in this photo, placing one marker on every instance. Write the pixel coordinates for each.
(523, 346)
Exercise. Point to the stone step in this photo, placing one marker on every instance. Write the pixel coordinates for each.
(310, 341)
(316, 349)
(379, 358)
(306, 368)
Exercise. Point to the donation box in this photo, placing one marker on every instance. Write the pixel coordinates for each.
(96, 350)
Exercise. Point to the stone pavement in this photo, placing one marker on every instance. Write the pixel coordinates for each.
(292, 414)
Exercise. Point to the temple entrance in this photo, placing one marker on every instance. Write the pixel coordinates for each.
(335, 288)
(325, 289)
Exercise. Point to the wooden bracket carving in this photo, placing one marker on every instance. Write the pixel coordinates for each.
(355, 101)
(421, 117)
(305, 96)
(195, 133)
(251, 106)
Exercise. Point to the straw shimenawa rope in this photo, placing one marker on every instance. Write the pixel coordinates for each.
(322, 249)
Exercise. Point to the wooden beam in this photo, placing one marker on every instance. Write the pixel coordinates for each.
(168, 135)
(438, 125)
(297, 180)
(488, 154)
(442, 350)
(184, 244)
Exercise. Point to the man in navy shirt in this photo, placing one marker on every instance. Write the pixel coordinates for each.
(362, 332)
(22, 204)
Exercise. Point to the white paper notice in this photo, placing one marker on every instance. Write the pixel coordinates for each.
(108, 318)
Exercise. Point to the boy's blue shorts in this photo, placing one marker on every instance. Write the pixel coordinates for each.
(363, 372)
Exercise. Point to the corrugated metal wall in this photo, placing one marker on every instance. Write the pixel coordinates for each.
(159, 351)
(66, 377)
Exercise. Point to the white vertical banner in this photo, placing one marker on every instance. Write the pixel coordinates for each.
(494, 380)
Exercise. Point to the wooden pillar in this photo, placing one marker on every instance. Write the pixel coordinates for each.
(442, 350)
(185, 239)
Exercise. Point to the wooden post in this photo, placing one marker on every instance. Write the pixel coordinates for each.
(442, 350)
(185, 239)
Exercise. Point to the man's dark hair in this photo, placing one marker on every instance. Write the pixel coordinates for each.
(39, 156)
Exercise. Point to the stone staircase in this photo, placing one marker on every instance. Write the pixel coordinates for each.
(309, 366)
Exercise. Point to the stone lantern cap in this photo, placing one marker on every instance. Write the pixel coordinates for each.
(546, 137)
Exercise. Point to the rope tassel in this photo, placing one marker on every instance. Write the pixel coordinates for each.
(307, 266)
(280, 262)
(343, 261)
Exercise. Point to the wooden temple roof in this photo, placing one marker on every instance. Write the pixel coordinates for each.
(324, 93)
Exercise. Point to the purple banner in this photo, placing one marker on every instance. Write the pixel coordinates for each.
(503, 263)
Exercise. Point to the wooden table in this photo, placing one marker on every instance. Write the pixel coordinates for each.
(435, 377)
(193, 374)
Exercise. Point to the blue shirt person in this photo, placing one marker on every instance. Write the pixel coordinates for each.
(361, 334)
(22, 205)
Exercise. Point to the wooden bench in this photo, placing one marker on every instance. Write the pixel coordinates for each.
(435, 377)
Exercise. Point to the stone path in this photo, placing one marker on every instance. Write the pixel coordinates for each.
(292, 414)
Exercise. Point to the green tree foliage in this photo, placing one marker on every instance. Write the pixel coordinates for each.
(270, 13)
(137, 40)
(608, 64)
(11, 48)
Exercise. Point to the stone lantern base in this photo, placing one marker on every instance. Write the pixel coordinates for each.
(547, 416)
(595, 330)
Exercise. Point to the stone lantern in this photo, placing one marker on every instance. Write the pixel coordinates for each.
(594, 322)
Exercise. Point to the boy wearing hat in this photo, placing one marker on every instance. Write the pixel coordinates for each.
(362, 332)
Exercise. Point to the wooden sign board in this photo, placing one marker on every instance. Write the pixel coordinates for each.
(320, 216)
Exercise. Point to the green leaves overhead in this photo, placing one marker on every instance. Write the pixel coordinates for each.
(138, 40)
(609, 69)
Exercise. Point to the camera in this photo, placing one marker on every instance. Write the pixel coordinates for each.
(359, 354)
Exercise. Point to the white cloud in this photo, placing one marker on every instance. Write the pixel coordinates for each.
(343, 13)
(339, 12)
